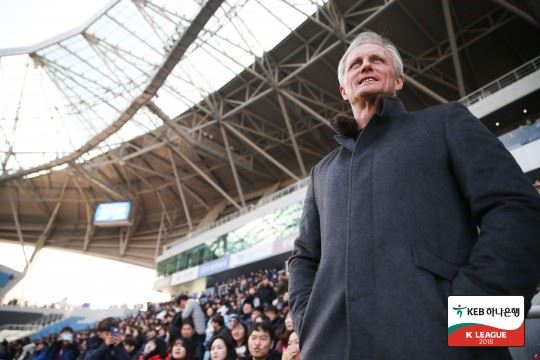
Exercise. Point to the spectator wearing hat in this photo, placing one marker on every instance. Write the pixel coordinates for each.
(233, 320)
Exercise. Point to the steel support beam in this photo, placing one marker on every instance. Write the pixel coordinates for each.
(260, 151)
(453, 47)
(45, 234)
(291, 135)
(180, 191)
(232, 165)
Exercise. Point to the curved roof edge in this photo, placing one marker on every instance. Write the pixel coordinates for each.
(63, 36)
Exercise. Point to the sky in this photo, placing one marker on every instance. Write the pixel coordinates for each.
(78, 278)
(58, 274)
(26, 22)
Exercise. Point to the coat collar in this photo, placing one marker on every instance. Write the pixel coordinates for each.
(391, 106)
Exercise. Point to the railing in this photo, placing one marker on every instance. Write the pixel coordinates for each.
(502, 82)
(279, 194)
(521, 136)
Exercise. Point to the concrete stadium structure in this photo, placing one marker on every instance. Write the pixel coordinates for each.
(156, 129)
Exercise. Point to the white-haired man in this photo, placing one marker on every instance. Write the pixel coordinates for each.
(411, 208)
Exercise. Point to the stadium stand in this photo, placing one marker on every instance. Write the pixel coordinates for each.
(8, 279)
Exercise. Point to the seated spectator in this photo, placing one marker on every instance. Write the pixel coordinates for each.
(209, 327)
(266, 292)
(154, 349)
(218, 324)
(40, 351)
(182, 349)
(191, 309)
(284, 337)
(247, 310)
(188, 331)
(278, 325)
(263, 318)
(132, 347)
(239, 335)
(221, 349)
(233, 320)
(65, 348)
(107, 344)
(255, 314)
(261, 342)
(292, 352)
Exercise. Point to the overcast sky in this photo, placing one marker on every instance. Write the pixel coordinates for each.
(26, 22)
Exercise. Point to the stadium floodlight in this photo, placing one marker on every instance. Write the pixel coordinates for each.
(116, 213)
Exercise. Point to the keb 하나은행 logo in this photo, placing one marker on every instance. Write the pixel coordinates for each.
(486, 321)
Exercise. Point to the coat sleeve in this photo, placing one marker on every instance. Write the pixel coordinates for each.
(504, 206)
(188, 311)
(305, 258)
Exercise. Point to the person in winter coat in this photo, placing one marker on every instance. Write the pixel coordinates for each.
(107, 344)
(411, 207)
(65, 348)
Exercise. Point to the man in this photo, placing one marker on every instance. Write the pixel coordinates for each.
(131, 345)
(261, 343)
(411, 208)
(278, 324)
(107, 345)
(218, 324)
(188, 331)
(247, 310)
(192, 309)
(266, 292)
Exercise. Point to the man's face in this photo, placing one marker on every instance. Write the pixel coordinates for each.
(259, 344)
(247, 308)
(187, 331)
(271, 315)
(182, 304)
(369, 72)
(129, 348)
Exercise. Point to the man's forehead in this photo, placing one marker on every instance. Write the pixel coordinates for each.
(260, 333)
(366, 49)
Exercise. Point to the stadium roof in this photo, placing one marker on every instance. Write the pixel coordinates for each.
(197, 109)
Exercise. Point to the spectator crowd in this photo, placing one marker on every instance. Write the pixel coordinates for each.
(242, 318)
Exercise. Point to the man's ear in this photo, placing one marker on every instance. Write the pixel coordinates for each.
(343, 93)
(400, 80)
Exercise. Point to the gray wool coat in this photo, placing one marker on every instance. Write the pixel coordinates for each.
(421, 206)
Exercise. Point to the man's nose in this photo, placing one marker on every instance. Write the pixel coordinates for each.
(366, 66)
